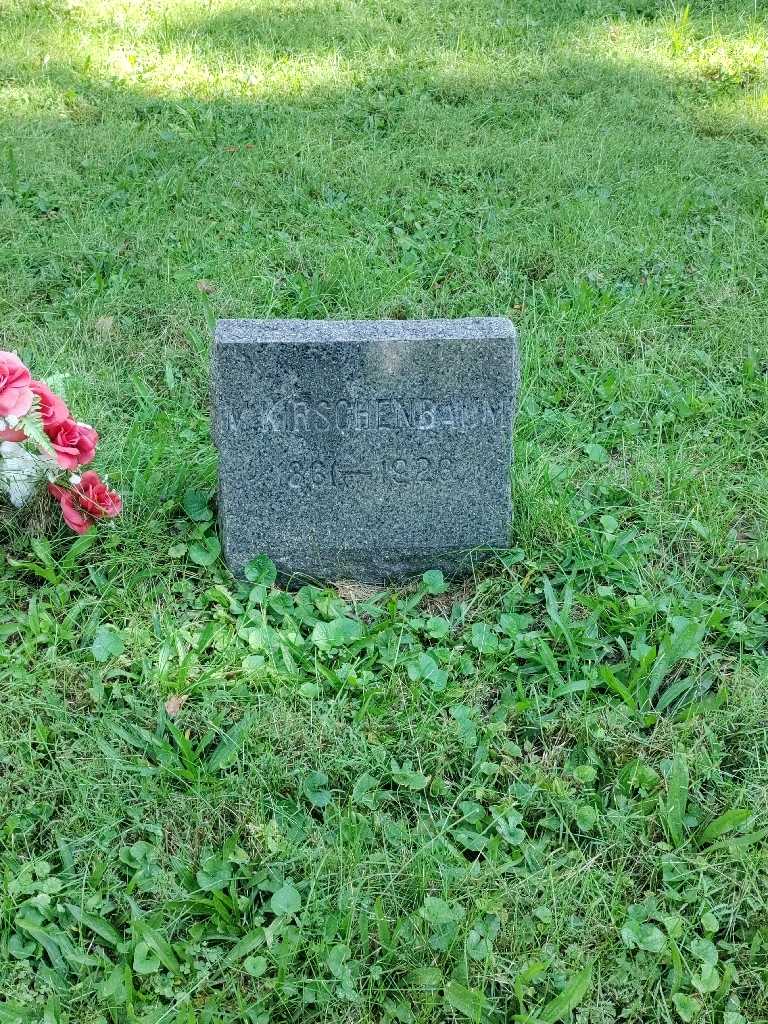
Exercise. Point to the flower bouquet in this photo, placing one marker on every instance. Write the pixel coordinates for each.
(40, 442)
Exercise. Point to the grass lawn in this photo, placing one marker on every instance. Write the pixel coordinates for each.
(537, 796)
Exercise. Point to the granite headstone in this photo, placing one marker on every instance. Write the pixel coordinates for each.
(364, 450)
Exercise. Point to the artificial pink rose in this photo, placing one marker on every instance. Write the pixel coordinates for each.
(90, 499)
(15, 392)
(95, 498)
(53, 410)
(73, 443)
(12, 435)
(73, 516)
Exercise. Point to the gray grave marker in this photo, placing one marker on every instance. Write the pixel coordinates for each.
(364, 450)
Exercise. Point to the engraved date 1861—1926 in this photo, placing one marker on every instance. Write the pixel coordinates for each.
(302, 475)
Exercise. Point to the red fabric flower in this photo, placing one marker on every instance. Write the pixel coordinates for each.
(95, 497)
(73, 443)
(90, 499)
(15, 391)
(52, 408)
(73, 516)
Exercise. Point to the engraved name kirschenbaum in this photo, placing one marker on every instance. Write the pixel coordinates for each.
(288, 416)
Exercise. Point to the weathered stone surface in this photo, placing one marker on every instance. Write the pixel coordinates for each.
(364, 450)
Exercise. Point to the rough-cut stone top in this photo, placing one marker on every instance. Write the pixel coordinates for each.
(314, 332)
